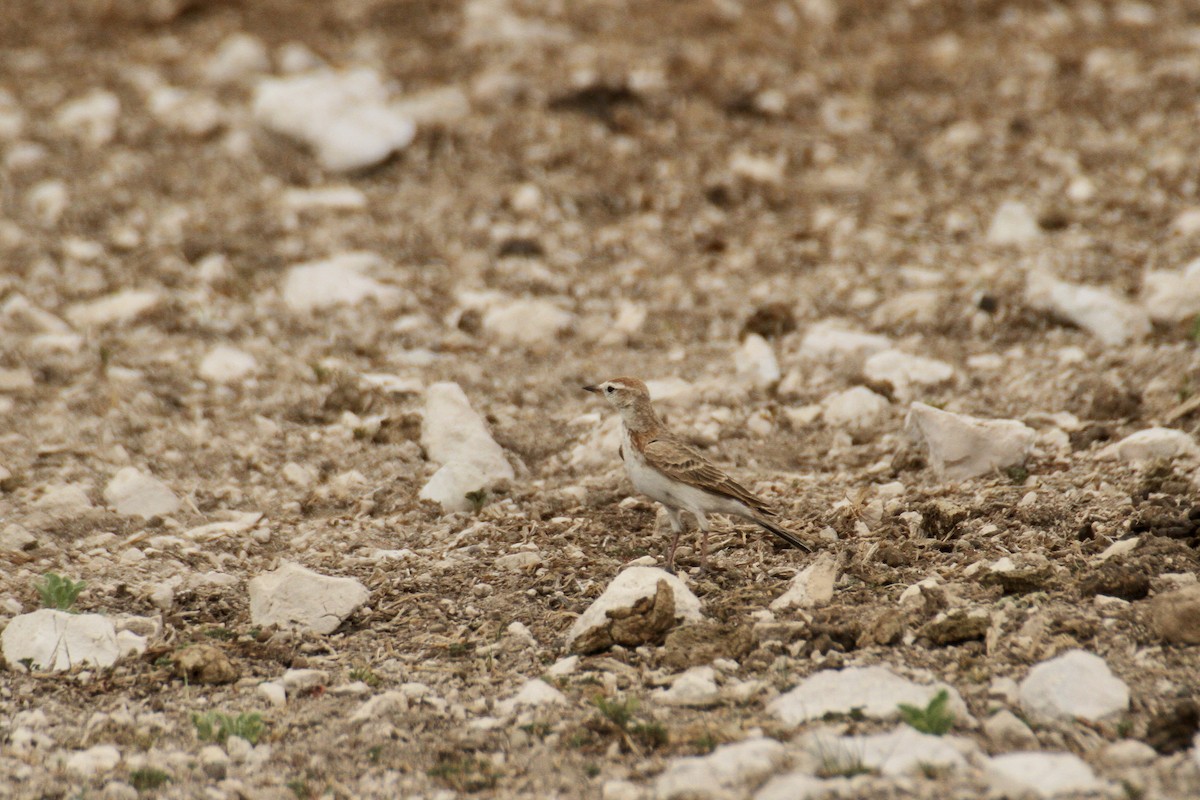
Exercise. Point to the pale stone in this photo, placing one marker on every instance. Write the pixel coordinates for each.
(1006, 731)
(50, 639)
(1045, 775)
(962, 447)
(826, 341)
(1111, 319)
(906, 373)
(729, 771)
(812, 586)
(1013, 223)
(756, 362)
(453, 433)
(1076, 684)
(534, 694)
(117, 308)
(337, 280)
(695, 688)
(858, 409)
(451, 484)
(296, 597)
(527, 322)
(1153, 444)
(93, 761)
(875, 691)
(634, 588)
(1172, 296)
(897, 752)
(225, 364)
(134, 493)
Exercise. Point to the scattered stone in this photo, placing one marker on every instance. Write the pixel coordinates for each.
(957, 626)
(756, 362)
(453, 434)
(640, 606)
(857, 409)
(812, 586)
(214, 761)
(1153, 444)
(1172, 296)
(381, 705)
(1175, 615)
(1020, 573)
(337, 280)
(1076, 684)
(49, 639)
(1112, 320)
(527, 321)
(1005, 731)
(1013, 223)
(901, 751)
(19, 379)
(826, 341)
(453, 486)
(798, 785)
(534, 694)
(296, 597)
(1042, 774)
(118, 308)
(563, 667)
(1127, 753)
(15, 539)
(904, 372)
(345, 117)
(273, 693)
(93, 761)
(705, 642)
(519, 561)
(695, 688)
(92, 119)
(135, 494)
(729, 771)
(203, 663)
(874, 691)
(238, 57)
(225, 364)
(963, 447)
(299, 681)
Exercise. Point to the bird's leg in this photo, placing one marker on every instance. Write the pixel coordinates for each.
(702, 521)
(677, 527)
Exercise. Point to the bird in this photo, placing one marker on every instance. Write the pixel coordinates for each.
(665, 469)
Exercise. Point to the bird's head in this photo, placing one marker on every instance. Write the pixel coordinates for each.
(622, 393)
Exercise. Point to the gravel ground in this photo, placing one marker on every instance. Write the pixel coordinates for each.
(595, 188)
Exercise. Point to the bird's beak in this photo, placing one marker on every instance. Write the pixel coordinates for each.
(592, 389)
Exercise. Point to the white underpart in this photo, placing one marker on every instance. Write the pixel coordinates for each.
(674, 494)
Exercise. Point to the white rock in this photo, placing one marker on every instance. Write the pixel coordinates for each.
(47, 200)
(239, 56)
(1006, 731)
(273, 693)
(338, 280)
(225, 364)
(14, 538)
(624, 593)
(129, 644)
(65, 500)
(134, 493)
(527, 321)
(1152, 444)
(381, 705)
(756, 362)
(296, 597)
(826, 341)
(904, 372)
(875, 691)
(1127, 753)
(184, 111)
(518, 561)
(119, 307)
(451, 484)
(17, 313)
(758, 169)
(563, 667)
(452, 433)
(93, 761)
(961, 446)
(695, 688)
(1076, 684)
(19, 379)
(812, 586)
(1111, 319)
(858, 409)
(214, 761)
(345, 117)
(1172, 296)
(1013, 223)
(441, 105)
(239, 749)
(900, 751)
(55, 640)
(621, 790)
(1043, 774)
(798, 785)
(92, 119)
(729, 771)
(296, 681)
(533, 694)
(493, 22)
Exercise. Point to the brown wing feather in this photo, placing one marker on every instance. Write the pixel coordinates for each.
(682, 463)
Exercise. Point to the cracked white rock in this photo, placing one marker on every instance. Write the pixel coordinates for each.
(1045, 775)
(58, 641)
(1111, 319)
(338, 280)
(731, 770)
(1152, 444)
(634, 589)
(453, 433)
(1076, 684)
(347, 118)
(296, 597)
(874, 691)
(962, 446)
(905, 372)
(897, 752)
(225, 364)
(812, 586)
(694, 688)
(134, 493)
(533, 694)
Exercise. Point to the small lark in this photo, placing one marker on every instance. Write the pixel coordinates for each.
(667, 470)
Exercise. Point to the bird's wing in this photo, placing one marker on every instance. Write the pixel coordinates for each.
(676, 460)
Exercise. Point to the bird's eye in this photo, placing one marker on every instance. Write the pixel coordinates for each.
(609, 389)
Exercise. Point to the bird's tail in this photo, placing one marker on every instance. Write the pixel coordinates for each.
(782, 533)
